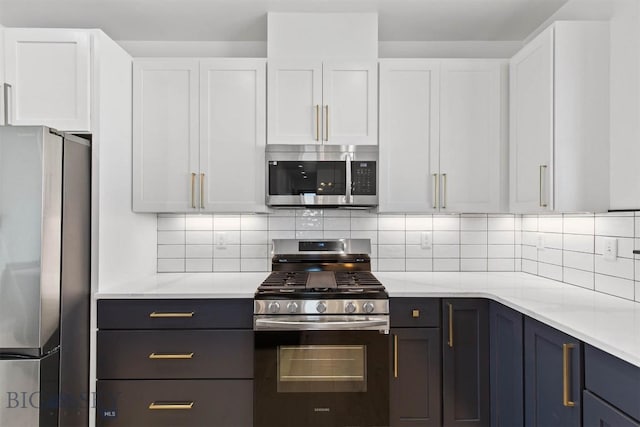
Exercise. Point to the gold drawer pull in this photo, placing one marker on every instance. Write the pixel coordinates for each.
(171, 405)
(171, 356)
(156, 314)
(566, 375)
(395, 356)
(415, 313)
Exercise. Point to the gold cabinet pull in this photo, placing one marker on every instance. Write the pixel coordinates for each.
(170, 405)
(174, 356)
(202, 190)
(326, 123)
(450, 341)
(542, 171)
(415, 313)
(193, 190)
(157, 314)
(566, 375)
(435, 191)
(317, 108)
(444, 191)
(395, 356)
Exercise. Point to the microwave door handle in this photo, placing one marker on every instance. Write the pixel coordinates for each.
(349, 189)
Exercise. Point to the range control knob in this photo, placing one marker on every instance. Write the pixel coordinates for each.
(274, 307)
(368, 307)
(321, 307)
(350, 307)
(292, 307)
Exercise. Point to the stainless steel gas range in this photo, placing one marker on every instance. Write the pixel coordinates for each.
(321, 322)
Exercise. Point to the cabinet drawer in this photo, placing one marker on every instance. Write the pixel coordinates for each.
(175, 354)
(176, 314)
(414, 312)
(613, 379)
(210, 403)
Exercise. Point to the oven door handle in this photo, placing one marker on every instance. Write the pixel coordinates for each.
(326, 323)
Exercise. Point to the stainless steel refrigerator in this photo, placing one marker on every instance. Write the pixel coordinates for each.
(45, 226)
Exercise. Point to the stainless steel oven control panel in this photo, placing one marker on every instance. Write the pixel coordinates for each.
(319, 306)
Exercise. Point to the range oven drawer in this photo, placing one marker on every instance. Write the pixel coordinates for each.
(229, 313)
(414, 312)
(175, 354)
(171, 403)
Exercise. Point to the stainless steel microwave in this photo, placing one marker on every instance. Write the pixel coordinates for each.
(322, 175)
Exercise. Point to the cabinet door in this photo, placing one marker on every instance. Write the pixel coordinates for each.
(2, 79)
(471, 136)
(350, 103)
(295, 102)
(165, 135)
(505, 358)
(409, 106)
(552, 381)
(232, 135)
(49, 74)
(598, 413)
(415, 377)
(465, 362)
(531, 126)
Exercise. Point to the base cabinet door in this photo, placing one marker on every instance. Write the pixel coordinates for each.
(598, 413)
(415, 380)
(465, 362)
(505, 358)
(551, 376)
(171, 403)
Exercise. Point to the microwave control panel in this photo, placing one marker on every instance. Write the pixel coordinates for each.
(363, 178)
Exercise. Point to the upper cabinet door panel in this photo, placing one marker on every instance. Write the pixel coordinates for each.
(49, 74)
(350, 103)
(531, 124)
(232, 134)
(165, 136)
(470, 136)
(409, 106)
(295, 102)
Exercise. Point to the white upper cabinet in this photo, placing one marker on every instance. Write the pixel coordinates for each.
(559, 120)
(442, 136)
(48, 73)
(311, 102)
(295, 102)
(199, 135)
(409, 132)
(232, 135)
(472, 148)
(165, 135)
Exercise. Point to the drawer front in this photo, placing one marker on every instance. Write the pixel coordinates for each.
(194, 403)
(176, 314)
(414, 312)
(175, 354)
(613, 379)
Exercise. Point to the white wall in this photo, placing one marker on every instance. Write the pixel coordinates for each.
(186, 49)
(126, 241)
(448, 49)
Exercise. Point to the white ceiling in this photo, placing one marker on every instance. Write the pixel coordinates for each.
(245, 20)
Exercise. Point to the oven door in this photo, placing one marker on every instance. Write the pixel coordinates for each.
(337, 378)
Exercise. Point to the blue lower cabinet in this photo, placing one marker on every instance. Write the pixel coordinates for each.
(506, 358)
(598, 413)
(553, 380)
(465, 361)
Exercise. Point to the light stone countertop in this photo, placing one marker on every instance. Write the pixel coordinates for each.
(609, 323)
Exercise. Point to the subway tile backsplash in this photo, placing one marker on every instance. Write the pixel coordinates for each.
(568, 248)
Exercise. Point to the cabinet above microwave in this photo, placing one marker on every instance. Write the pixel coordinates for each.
(329, 176)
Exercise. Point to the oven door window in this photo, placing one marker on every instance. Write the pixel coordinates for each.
(319, 178)
(322, 368)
